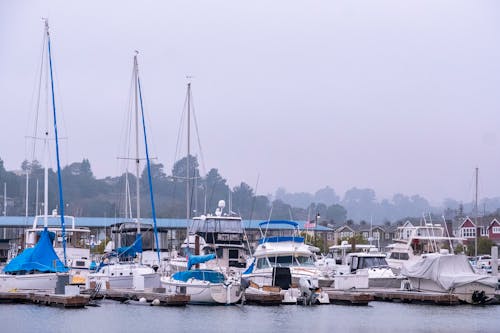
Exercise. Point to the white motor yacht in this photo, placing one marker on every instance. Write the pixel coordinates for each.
(285, 261)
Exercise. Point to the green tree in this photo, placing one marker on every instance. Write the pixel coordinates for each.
(484, 245)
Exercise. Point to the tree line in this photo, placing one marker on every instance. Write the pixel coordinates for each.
(85, 195)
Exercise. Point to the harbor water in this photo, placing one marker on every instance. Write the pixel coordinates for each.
(377, 317)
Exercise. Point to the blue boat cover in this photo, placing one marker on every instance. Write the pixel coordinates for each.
(132, 250)
(41, 258)
(193, 260)
(199, 274)
(277, 239)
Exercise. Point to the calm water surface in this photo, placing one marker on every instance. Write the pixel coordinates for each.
(378, 317)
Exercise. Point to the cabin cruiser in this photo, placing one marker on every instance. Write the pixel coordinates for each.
(287, 262)
(413, 241)
(446, 273)
(220, 234)
(375, 264)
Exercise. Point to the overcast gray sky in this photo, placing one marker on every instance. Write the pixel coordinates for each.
(398, 96)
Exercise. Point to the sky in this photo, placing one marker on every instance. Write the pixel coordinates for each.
(398, 96)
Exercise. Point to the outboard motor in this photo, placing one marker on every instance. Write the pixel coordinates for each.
(479, 297)
(308, 288)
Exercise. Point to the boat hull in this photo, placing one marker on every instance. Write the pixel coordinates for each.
(203, 292)
(42, 281)
(468, 293)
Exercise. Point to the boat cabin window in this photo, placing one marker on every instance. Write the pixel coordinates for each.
(305, 260)
(233, 254)
(399, 256)
(369, 262)
(281, 261)
(262, 263)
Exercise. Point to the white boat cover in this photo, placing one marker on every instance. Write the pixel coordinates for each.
(448, 271)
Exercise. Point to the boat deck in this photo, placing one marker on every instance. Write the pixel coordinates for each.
(392, 295)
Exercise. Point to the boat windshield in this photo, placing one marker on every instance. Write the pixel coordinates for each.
(399, 256)
(216, 225)
(369, 262)
(288, 261)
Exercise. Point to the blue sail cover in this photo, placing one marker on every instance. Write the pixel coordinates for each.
(41, 258)
(199, 274)
(193, 260)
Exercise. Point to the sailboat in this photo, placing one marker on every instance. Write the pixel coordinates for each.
(39, 267)
(205, 286)
(120, 268)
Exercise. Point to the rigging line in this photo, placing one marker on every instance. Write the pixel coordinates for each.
(37, 108)
(59, 178)
(198, 134)
(180, 131)
(149, 170)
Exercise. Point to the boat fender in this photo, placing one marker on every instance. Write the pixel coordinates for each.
(142, 300)
(156, 301)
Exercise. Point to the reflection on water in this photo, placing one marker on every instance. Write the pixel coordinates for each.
(378, 317)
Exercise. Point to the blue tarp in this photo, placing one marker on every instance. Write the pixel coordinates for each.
(199, 274)
(132, 250)
(41, 258)
(193, 260)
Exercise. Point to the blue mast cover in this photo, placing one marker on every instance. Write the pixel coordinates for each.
(41, 258)
(193, 260)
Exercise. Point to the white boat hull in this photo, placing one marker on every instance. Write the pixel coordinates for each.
(42, 281)
(465, 293)
(203, 292)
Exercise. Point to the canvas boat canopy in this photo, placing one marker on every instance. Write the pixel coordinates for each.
(448, 271)
(40, 258)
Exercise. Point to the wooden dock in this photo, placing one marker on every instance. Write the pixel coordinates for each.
(154, 298)
(66, 301)
(404, 296)
(263, 299)
(364, 296)
(350, 297)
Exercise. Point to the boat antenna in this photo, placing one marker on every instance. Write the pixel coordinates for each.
(59, 178)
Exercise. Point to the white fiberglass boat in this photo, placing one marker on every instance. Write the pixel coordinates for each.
(287, 262)
(204, 286)
(413, 241)
(450, 274)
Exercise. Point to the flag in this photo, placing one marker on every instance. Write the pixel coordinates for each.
(310, 225)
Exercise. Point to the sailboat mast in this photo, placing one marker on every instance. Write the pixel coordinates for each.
(59, 178)
(137, 190)
(188, 150)
(475, 209)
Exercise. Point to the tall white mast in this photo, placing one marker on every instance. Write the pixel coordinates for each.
(46, 151)
(188, 151)
(137, 161)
